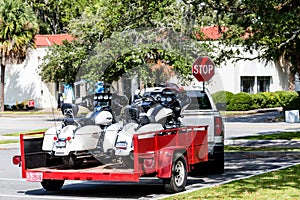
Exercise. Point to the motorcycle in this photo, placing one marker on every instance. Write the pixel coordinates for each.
(81, 140)
(158, 109)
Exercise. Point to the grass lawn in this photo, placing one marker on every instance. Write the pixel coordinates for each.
(280, 185)
(8, 141)
(274, 136)
(31, 131)
(239, 149)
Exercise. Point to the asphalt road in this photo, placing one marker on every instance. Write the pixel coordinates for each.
(13, 187)
(12, 124)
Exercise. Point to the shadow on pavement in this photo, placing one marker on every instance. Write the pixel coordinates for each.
(255, 118)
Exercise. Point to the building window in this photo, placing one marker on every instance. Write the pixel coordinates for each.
(247, 84)
(263, 83)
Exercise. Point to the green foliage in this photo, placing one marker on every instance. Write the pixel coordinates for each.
(147, 53)
(266, 100)
(127, 38)
(281, 184)
(54, 16)
(18, 25)
(293, 104)
(272, 27)
(63, 62)
(240, 102)
(289, 100)
(286, 97)
(222, 99)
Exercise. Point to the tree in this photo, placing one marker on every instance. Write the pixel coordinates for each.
(114, 27)
(62, 62)
(18, 25)
(143, 53)
(54, 16)
(271, 27)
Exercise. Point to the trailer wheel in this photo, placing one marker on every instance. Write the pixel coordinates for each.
(178, 178)
(52, 185)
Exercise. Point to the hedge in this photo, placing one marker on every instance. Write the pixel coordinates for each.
(242, 101)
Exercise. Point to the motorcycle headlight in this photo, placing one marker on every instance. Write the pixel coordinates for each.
(169, 99)
(163, 99)
(158, 97)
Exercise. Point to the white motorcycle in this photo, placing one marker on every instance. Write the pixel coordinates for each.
(81, 140)
(158, 109)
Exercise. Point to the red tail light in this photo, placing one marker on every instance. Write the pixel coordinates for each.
(69, 138)
(55, 138)
(218, 126)
(16, 160)
(148, 163)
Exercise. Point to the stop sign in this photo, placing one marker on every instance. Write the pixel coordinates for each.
(203, 68)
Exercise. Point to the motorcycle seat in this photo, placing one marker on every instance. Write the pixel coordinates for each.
(80, 121)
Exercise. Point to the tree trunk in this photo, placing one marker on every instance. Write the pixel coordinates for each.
(2, 88)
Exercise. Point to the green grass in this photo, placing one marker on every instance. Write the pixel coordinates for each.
(274, 136)
(280, 185)
(239, 149)
(8, 141)
(31, 131)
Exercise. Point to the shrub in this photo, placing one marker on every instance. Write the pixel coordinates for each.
(272, 100)
(289, 100)
(285, 97)
(258, 101)
(293, 104)
(222, 97)
(240, 102)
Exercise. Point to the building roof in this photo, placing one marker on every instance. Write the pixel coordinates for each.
(49, 40)
(205, 33)
(215, 33)
(210, 32)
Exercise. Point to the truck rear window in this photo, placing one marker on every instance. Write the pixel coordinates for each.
(199, 100)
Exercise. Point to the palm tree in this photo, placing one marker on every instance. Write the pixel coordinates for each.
(18, 25)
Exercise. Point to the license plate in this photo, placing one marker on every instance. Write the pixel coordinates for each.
(60, 144)
(34, 176)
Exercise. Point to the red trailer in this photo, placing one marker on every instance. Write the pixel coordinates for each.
(167, 154)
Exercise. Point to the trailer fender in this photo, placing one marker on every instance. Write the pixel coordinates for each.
(165, 161)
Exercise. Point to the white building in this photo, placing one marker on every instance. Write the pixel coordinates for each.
(251, 76)
(22, 82)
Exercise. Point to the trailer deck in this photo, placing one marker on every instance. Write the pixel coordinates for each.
(155, 153)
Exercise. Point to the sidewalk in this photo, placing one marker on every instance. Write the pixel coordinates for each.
(44, 113)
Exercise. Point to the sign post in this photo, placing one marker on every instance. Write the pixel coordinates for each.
(203, 69)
